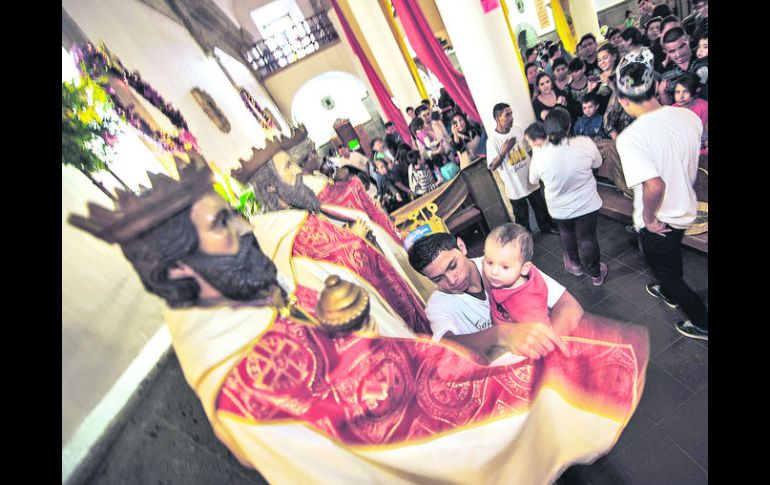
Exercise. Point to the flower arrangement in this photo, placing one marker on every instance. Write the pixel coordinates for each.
(88, 132)
(97, 63)
(263, 117)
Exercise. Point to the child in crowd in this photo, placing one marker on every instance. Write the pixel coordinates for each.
(685, 89)
(703, 47)
(388, 194)
(535, 136)
(517, 291)
(421, 178)
(591, 124)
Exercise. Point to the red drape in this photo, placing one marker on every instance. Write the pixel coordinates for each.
(430, 52)
(392, 112)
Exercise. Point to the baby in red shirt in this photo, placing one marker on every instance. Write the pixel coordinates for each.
(517, 291)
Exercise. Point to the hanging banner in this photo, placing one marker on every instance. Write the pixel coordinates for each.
(542, 14)
(489, 5)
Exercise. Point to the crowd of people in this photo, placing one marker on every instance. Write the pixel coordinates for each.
(589, 110)
(442, 140)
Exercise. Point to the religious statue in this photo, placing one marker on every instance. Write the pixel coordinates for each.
(312, 243)
(306, 405)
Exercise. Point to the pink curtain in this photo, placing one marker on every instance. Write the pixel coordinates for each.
(430, 52)
(392, 112)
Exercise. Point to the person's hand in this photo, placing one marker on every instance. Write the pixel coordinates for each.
(561, 100)
(592, 85)
(509, 144)
(399, 198)
(605, 76)
(533, 340)
(656, 226)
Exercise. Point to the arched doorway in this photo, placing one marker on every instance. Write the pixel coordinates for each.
(328, 97)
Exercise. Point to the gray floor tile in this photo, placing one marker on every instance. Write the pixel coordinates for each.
(654, 459)
(661, 334)
(688, 427)
(662, 395)
(633, 258)
(548, 241)
(664, 313)
(587, 294)
(617, 307)
(613, 245)
(687, 361)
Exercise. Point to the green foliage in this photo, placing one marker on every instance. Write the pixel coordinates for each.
(86, 133)
(240, 198)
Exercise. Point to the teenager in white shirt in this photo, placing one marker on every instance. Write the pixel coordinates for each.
(506, 154)
(659, 154)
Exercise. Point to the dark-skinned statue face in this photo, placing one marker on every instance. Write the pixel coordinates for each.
(278, 185)
(228, 256)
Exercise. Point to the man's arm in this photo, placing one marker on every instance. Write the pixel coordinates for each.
(566, 314)
(533, 340)
(507, 147)
(652, 197)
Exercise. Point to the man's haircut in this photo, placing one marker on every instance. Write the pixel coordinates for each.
(536, 131)
(613, 32)
(591, 98)
(633, 34)
(530, 64)
(553, 50)
(586, 37)
(514, 233)
(409, 108)
(389, 124)
(559, 62)
(426, 249)
(412, 157)
(529, 52)
(425, 102)
(674, 35)
(575, 64)
(669, 20)
(420, 109)
(689, 81)
(557, 125)
(498, 110)
(661, 11)
(650, 22)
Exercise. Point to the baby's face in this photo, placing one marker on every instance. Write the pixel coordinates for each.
(502, 264)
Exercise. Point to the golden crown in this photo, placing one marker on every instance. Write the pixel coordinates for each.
(136, 214)
(262, 155)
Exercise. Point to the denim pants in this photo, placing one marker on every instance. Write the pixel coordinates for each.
(579, 241)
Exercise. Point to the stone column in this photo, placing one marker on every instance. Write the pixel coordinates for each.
(488, 60)
(584, 18)
(386, 52)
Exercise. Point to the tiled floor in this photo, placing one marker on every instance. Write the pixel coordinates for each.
(165, 438)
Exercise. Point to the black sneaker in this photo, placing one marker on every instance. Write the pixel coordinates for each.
(654, 290)
(686, 328)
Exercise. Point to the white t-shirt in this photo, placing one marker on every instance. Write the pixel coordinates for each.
(565, 169)
(663, 143)
(515, 167)
(463, 314)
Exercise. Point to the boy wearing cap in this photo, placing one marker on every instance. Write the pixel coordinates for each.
(659, 155)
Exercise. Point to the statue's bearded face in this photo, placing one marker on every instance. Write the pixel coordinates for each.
(278, 185)
(228, 255)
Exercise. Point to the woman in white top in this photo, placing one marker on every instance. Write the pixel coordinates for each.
(565, 164)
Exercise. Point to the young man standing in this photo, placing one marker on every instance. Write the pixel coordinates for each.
(506, 154)
(659, 155)
(588, 54)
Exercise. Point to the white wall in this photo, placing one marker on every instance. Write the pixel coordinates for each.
(346, 91)
(170, 60)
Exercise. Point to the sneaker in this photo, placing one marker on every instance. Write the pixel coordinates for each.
(686, 328)
(573, 269)
(654, 290)
(598, 280)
